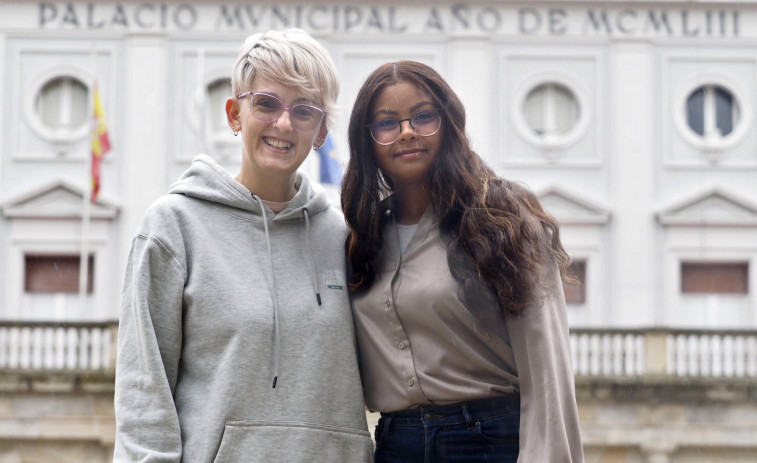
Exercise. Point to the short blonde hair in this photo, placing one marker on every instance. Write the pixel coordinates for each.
(293, 58)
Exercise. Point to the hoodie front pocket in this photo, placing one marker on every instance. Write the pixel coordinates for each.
(292, 442)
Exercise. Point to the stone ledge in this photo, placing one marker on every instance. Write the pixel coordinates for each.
(56, 382)
(668, 389)
(691, 435)
(100, 429)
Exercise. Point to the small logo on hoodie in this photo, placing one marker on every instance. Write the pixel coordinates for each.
(333, 279)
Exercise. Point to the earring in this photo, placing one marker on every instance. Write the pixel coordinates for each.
(237, 115)
(234, 132)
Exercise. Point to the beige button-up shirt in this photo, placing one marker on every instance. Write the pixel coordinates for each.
(420, 343)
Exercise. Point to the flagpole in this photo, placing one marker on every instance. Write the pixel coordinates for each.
(201, 95)
(87, 193)
(84, 256)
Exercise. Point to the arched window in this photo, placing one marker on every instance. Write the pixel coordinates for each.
(551, 110)
(57, 107)
(206, 114)
(712, 112)
(61, 104)
(218, 91)
(712, 115)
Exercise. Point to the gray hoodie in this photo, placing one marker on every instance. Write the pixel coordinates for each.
(222, 301)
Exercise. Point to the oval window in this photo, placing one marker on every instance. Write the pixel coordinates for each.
(551, 110)
(712, 112)
(218, 92)
(61, 104)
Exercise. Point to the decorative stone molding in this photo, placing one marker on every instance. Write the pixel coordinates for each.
(58, 198)
(710, 206)
(572, 208)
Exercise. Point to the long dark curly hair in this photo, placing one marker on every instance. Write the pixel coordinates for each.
(507, 237)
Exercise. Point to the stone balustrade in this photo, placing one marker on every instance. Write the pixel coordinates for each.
(58, 346)
(660, 353)
(648, 395)
(596, 352)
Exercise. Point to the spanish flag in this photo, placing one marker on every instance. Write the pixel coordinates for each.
(100, 141)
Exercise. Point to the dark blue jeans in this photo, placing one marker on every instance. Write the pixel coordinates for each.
(482, 430)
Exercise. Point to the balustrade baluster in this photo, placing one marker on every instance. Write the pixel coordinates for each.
(693, 359)
(83, 348)
(728, 357)
(751, 356)
(95, 352)
(37, 348)
(629, 355)
(705, 356)
(606, 355)
(617, 353)
(49, 357)
(641, 355)
(60, 352)
(595, 355)
(717, 356)
(70, 349)
(681, 355)
(4, 361)
(739, 356)
(109, 347)
(25, 360)
(672, 354)
(14, 345)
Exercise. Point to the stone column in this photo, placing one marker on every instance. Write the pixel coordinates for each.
(633, 110)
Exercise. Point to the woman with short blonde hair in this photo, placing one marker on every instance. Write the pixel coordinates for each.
(236, 340)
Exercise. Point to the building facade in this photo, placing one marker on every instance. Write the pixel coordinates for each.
(633, 121)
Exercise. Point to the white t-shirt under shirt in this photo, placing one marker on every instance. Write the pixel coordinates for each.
(404, 233)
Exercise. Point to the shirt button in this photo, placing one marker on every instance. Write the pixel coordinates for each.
(410, 382)
(402, 345)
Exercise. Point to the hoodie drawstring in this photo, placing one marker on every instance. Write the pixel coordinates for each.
(276, 336)
(312, 259)
(276, 342)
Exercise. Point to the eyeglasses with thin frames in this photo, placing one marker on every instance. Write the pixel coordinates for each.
(387, 131)
(267, 108)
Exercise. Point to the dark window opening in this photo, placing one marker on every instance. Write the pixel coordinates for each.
(714, 277)
(55, 274)
(575, 287)
(716, 101)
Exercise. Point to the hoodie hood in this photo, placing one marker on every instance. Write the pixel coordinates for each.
(209, 181)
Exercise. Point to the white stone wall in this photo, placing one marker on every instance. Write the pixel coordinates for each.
(629, 156)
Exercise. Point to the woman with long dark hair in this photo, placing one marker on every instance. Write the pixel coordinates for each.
(456, 283)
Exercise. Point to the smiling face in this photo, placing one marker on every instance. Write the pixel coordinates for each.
(271, 149)
(409, 159)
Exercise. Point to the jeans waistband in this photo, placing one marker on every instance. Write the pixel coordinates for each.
(462, 410)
